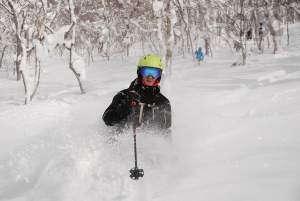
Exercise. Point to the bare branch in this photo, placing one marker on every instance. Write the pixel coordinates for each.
(7, 9)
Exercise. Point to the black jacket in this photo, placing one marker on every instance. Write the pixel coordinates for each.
(121, 112)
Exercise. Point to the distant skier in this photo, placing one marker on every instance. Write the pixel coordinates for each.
(143, 90)
(199, 55)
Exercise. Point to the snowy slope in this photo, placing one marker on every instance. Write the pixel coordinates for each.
(235, 134)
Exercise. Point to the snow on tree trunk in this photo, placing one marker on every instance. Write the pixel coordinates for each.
(166, 18)
(77, 65)
(2, 55)
(24, 71)
(170, 20)
(184, 15)
(158, 12)
(14, 12)
(21, 57)
(39, 56)
(270, 20)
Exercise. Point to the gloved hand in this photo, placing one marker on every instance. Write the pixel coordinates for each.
(134, 98)
(134, 102)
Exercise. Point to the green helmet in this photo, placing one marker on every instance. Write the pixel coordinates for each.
(151, 60)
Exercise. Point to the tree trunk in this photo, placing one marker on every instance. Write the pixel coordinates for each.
(25, 83)
(71, 35)
(77, 75)
(127, 50)
(287, 33)
(18, 62)
(23, 70)
(37, 75)
(189, 42)
(168, 38)
(208, 51)
(272, 30)
(2, 55)
(244, 55)
(18, 40)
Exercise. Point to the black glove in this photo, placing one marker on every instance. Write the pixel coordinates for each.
(134, 98)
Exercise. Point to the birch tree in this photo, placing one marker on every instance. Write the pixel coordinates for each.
(76, 63)
(19, 15)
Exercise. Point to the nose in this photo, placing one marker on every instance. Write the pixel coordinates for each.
(150, 77)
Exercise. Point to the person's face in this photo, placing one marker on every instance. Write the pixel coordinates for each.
(150, 75)
(149, 80)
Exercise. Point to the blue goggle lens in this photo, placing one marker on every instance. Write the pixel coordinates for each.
(149, 71)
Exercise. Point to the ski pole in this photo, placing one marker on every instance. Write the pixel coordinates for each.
(136, 173)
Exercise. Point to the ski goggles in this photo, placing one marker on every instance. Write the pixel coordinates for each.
(146, 71)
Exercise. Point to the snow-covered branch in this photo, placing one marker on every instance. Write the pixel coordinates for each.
(141, 28)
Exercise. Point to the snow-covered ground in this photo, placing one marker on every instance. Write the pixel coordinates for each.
(235, 134)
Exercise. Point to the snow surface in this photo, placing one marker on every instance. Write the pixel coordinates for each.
(235, 134)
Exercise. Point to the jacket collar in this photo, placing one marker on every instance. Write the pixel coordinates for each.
(147, 93)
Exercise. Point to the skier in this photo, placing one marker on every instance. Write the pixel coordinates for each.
(199, 55)
(143, 90)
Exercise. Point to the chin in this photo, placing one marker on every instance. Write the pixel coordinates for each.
(149, 85)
